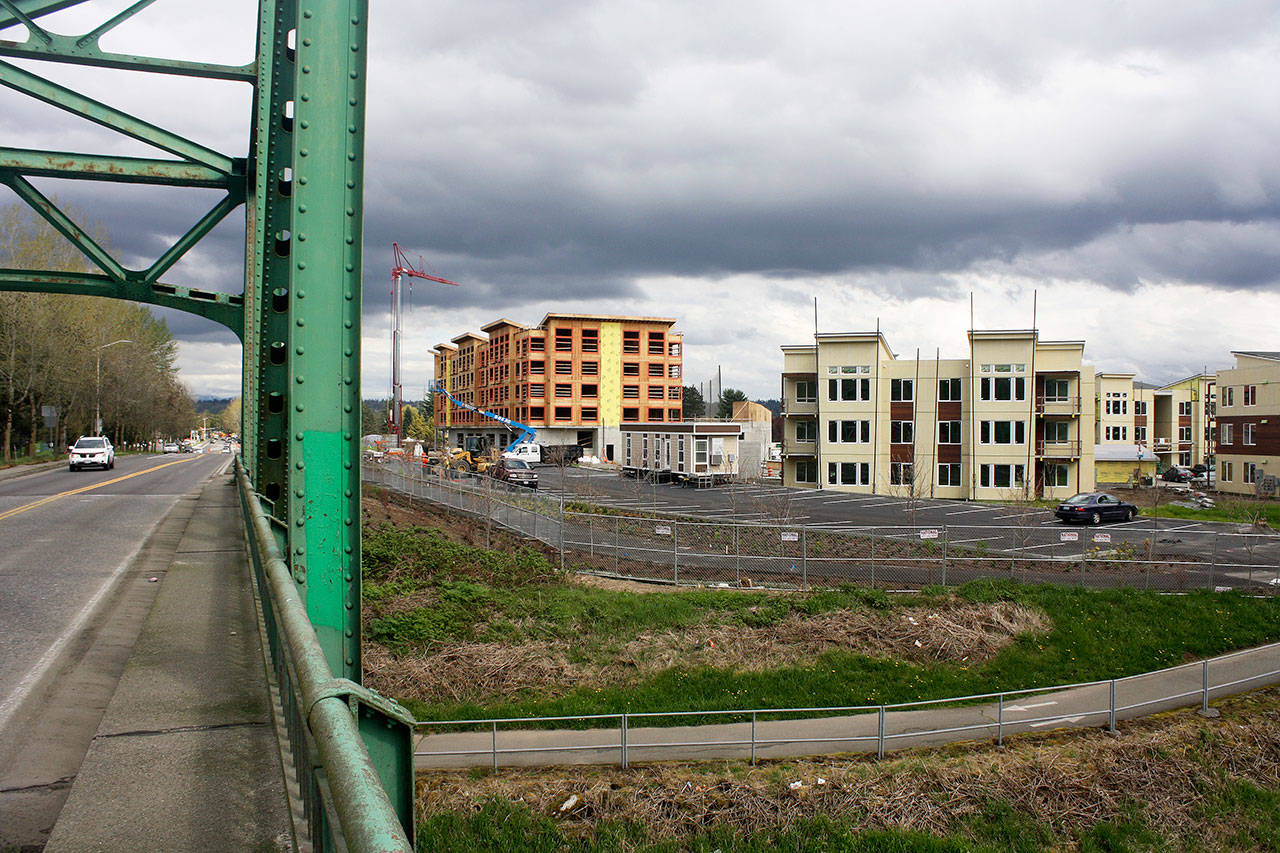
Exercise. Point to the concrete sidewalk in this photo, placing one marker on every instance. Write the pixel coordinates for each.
(186, 756)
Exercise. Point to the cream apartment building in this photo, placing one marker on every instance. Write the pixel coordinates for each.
(1175, 421)
(1249, 424)
(1006, 422)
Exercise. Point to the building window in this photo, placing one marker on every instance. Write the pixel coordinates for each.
(1249, 434)
(1184, 433)
(1056, 390)
(564, 389)
(1116, 433)
(1004, 388)
(949, 474)
(590, 340)
(657, 343)
(949, 390)
(849, 432)
(1184, 459)
(1224, 433)
(564, 368)
(564, 340)
(538, 368)
(901, 474)
(948, 432)
(655, 414)
(1250, 395)
(631, 368)
(1184, 408)
(1228, 396)
(673, 392)
(1227, 472)
(806, 391)
(680, 450)
(655, 369)
(1002, 432)
(1056, 432)
(537, 389)
(901, 390)
(631, 342)
(591, 390)
(537, 345)
(537, 413)
(564, 413)
(700, 451)
(1000, 476)
(631, 392)
(1139, 433)
(673, 350)
(806, 431)
(657, 392)
(1140, 407)
(631, 414)
(673, 371)
(806, 469)
(849, 390)
(673, 414)
(848, 473)
(627, 455)
(1250, 471)
(590, 413)
(1055, 475)
(901, 432)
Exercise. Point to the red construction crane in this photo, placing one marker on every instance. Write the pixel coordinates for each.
(402, 268)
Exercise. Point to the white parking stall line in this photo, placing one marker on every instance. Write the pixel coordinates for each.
(888, 503)
(1033, 547)
(809, 497)
(1136, 522)
(974, 539)
(852, 500)
(967, 511)
(1183, 527)
(1017, 515)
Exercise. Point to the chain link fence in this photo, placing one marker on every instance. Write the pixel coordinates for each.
(661, 547)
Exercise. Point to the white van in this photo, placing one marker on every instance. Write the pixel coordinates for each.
(526, 451)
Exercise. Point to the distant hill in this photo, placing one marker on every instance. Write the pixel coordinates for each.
(212, 405)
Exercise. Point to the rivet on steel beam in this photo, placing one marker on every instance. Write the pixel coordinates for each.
(306, 69)
(301, 322)
(305, 124)
(298, 379)
(298, 465)
(298, 350)
(302, 294)
(298, 408)
(302, 152)
(302, 208)
(298, 436)
(347, 465)
(298, 523)
(298, 493)
(302, 265)
(349, 632)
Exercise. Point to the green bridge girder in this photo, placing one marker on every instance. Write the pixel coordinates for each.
(298, 318)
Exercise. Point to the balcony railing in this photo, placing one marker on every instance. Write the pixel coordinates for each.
(1057, 449)
(1162, 444)
(1057, 405)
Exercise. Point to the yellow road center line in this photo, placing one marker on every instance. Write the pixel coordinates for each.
(20, 509)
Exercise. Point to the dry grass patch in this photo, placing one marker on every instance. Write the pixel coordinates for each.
(1168, 770)
(486, 672)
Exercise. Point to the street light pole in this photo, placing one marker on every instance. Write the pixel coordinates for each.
(97, 393)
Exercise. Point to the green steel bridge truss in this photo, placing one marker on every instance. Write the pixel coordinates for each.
(298, 318)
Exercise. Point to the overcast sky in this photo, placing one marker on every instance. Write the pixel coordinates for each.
(724, 163)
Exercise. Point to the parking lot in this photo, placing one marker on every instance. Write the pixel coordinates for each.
(1017, 529)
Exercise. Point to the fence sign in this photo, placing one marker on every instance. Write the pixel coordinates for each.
(662, 530)
(790, 536)
(1102, 537)
(1069, 536)
(932, 533)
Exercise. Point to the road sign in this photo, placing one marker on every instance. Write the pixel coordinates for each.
(932, 533)
(1102, 537)
(790, 536)
(1069, 536)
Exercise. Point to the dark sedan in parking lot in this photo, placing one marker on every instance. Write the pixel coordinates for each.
(1095, 508)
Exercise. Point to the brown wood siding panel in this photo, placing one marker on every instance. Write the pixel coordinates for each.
(1139, 420)
(1266, 436)
(901, 411)
(900, 453)
(1184, 420)
(949, 452)
(950, 411)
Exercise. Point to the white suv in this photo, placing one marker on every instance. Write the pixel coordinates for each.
(92, 450)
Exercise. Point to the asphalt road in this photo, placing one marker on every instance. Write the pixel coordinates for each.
(1025, 531)
(67, 537)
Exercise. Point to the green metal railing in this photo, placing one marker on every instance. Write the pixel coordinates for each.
(349, 799)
